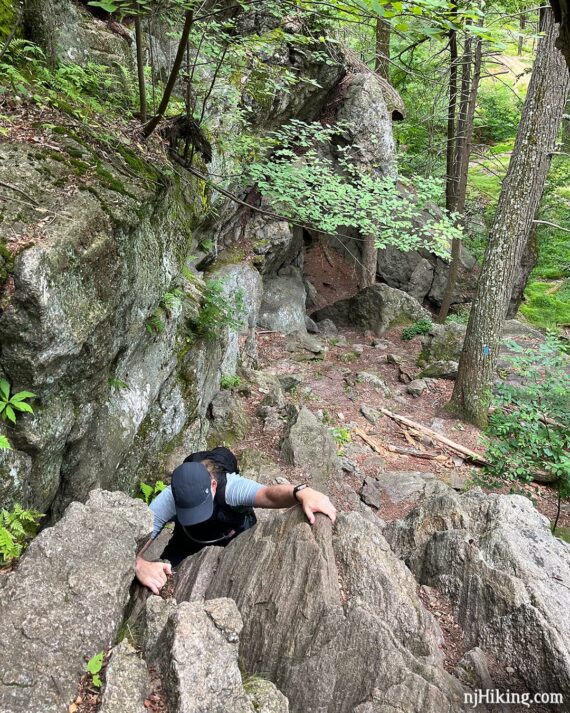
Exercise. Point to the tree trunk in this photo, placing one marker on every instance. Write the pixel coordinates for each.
(163, 106)
(522, 272)
(140, 68)
(464, 134)
(522, 25)
(369, 261)
(382, 59)
(451, 111)
(518, 202)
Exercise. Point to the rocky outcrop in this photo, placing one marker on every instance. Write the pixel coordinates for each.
(88, 326)
(507, 576)
(65, 601)
(334, 621)
(377, 308)
(283, 305)
(443, 343)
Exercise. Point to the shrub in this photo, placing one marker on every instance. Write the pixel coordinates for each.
(422, 326)
(17, 529)
(498, 113)
(529, 430)
(341, 435)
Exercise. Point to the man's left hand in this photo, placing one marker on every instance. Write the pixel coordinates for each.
(312, 501)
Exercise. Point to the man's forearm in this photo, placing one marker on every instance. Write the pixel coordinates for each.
(276, 496)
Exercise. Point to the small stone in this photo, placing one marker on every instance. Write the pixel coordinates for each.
(289, 381)
(72, 708)
(509, 669)
(416, 387)
(311, 326)
(358, 349)
(340, 416)
(441, 370)
(370, 414)
(394, 359)
(327, 327)
(371, 493)
(380, 344)
(376, 381)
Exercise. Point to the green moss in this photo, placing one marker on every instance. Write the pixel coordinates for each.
(547, 305)
(6, 263)
(563, 533)
(139, 165)
(8, 16)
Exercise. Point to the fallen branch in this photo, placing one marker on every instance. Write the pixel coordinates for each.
(436, 436)
(380, 449)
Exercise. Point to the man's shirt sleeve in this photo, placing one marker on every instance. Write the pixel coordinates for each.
(163, 510)
(241, 492)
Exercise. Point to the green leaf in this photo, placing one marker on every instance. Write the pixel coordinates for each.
(21, 395)
(4, 443)
(5, 389)
(95, 663)
(9, 412)
(21, 406)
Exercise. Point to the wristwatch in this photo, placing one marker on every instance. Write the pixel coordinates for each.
(297, 488)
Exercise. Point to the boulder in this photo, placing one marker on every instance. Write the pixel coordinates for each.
(370, 414)
(199, 660)
(127, 681)
(368, 642)
(65, 601)
(507, 576)
(283, 305)
(327, 327)
(440, 370)
(466, 283)
(416, 387)
(229, 421)
(401, 486)
(377, 308)
(310, 445)
(443, 343)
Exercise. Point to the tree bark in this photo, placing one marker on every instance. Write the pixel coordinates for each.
(518, 202)
(382, 59)
(140, 68)
(522, 25)
(462, 152)
(369, 262)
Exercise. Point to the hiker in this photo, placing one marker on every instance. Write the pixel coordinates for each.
(211, 504)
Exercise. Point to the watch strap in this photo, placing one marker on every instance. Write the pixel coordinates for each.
(297, 488)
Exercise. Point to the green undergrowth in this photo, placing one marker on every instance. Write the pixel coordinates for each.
(547, 304)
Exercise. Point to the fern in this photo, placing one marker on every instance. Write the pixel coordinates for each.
(17, 528)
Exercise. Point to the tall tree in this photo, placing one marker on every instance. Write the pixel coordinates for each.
(382, 53)
(518, 202)
(459, 135)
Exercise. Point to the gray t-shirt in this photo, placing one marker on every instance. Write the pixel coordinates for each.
(240, 492)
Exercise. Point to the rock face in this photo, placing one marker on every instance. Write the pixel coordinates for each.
(113, 391)
(377, 308)
(309, 444)
(65, 601)
(423, 275)
(371, 644)
(507, 576)
(283, 305)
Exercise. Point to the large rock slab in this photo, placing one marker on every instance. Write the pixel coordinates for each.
(283, 305)
(333, 620)
(310, 445)
(65, 601)
(508, 577)
(443, 343)
(377, 308)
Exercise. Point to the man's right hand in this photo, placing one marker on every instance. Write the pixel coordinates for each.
(152, 574)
